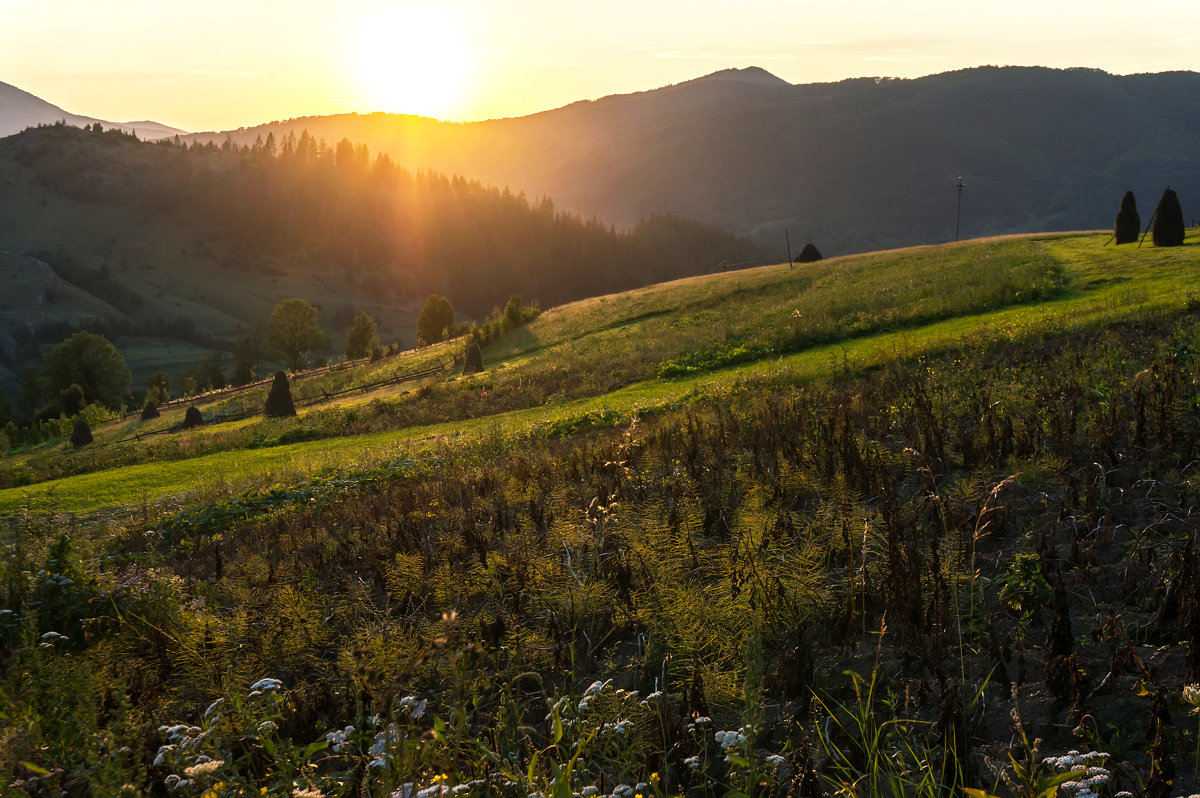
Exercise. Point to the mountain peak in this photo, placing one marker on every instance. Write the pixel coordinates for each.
(752, 74)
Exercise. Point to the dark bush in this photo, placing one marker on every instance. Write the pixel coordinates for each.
(474, 359)
(279, 401)
(810, 254)
(71, 401)
(1168, 221)
(1128, 224)
(150, 411)
(82, 434)
(192, 418)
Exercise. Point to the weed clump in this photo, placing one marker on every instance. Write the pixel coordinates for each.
(279, 401)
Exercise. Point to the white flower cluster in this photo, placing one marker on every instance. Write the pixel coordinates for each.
(264, 686)
(203, 767)
(339, 739)
(1095, 778)
(50, 638)
(730, 739)
(416, 707)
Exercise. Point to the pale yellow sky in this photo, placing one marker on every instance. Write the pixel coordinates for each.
(221, 64)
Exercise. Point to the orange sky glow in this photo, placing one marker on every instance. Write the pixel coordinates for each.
(222, 64)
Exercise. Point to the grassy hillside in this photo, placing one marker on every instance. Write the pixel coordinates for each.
(156, 244)
(872, 521)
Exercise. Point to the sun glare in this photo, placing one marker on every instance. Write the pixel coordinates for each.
(412, 60)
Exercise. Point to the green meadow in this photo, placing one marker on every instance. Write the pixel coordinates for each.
(903, 523)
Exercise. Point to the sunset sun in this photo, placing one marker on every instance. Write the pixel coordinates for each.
(411, 60)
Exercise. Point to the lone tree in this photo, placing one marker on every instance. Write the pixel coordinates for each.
(82, 434)
(159, 387)
(361, 338)
(810, 254)
(474, 359)
(1128, 226)
(92, 363)
(1168, 221)
(279, 401)
(436, 321)
(293, 331)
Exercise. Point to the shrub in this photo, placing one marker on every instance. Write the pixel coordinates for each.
(72, 401)
(82, 434)
(279, 401)
(1168, 221)
(1128, 224)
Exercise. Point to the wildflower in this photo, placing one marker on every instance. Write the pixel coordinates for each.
(307, 792)
(657, 694)
(415, 707)
(702, 720)
(622, 791)
(203, 768)
(774, 759)
(597, 687)
(161, 758)
(213, 707)
(692, 761)
(729, 739)
(430, 792)
(264, 686)
(589, 792)
(405, 791)
(50, 638)
(339, 739)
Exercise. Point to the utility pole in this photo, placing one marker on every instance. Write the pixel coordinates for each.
(958, 213)
(788, 238)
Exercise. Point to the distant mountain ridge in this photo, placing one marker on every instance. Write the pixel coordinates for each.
(19, 109)
(865, 163)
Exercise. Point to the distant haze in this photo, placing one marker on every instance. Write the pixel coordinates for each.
(854, 165)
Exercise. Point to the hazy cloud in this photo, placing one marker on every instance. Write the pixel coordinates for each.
(904, 56)
(220, 73)
(704, 56)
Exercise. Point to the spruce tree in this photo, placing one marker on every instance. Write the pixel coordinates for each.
(1168, 221)
(279, 401)
(1128, 224)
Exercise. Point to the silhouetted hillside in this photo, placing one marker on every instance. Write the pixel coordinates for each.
(855, 165)
(20, 109)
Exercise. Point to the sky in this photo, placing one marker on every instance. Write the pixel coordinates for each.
(222, 64)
